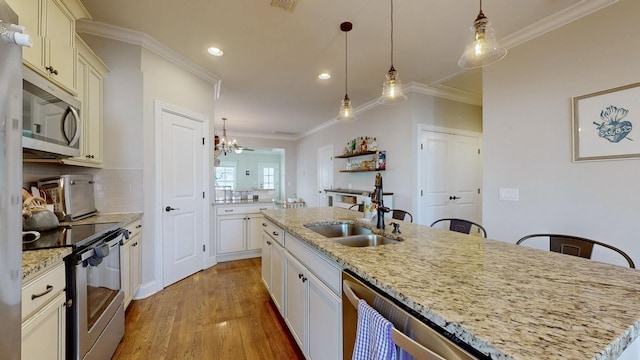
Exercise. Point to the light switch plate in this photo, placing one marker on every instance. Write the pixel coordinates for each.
(508, 194)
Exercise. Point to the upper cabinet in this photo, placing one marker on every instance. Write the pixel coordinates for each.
(89, 83)
(51, 26)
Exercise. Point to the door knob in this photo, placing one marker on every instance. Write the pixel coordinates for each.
(454, 197)
(169, 208)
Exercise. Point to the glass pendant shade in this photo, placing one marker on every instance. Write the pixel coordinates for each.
(346, 111)
(392, 92)
(483, 49)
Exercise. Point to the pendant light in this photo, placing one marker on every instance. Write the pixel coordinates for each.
(392, 87)
(223, 146)
(483, 49)
(346, 111)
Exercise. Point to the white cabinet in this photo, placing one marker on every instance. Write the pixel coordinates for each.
(52, 28)
(273, 263)
(43, 316)
(89, 83)
(130, 260)
(239, 231)
(313, 308)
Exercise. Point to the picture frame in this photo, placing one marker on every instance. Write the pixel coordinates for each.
(606, 124)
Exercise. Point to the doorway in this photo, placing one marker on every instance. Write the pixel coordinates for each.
(182, 165)
(325, 173)
(449, 175)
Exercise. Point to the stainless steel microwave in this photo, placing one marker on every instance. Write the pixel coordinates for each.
(51, 125)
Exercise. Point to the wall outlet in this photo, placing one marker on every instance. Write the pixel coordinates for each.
(508, 194)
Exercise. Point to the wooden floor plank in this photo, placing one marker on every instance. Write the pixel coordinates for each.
(223, 312)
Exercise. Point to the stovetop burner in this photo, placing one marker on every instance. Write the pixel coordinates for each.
(75, 236)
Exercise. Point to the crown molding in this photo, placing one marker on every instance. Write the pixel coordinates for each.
(554, 21)
(265, 136)
(143, 40)
(445, 92)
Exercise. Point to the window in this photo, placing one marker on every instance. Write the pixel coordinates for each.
(226, 176)
(268, 178)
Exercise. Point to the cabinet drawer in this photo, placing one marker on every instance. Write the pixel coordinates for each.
(134, 227)
(274, 231)
(248, 209)
(42, 289)
(317, 263)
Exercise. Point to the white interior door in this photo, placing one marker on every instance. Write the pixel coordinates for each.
(183, 202)
(325, 173)
(450, 177)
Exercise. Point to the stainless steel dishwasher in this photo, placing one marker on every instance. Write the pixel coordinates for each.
(425, 341)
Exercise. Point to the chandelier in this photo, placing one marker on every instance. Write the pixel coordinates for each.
(223, 146)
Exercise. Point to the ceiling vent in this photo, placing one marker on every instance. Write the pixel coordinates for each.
(288, 5)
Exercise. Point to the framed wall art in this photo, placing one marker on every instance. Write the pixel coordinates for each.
(606, 124)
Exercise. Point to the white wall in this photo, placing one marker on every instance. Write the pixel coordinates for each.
(527, 134)
(395, 128)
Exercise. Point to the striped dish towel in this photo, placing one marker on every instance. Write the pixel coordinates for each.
(373, 336)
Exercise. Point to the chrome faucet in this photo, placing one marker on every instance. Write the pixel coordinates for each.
(377, 198)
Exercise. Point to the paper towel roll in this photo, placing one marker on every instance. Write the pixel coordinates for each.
(13, 35)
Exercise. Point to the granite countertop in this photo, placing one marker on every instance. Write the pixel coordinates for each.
(242, 202)
(123, 218)
(507, 301)
(355, 191)
(34, 262)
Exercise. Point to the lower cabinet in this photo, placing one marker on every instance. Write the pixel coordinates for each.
(44, 316)
(313, 310)
(239, 231)
(273, 263)
(130, 260)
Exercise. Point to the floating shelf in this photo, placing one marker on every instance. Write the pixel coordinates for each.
(356, 154)
(361, 170)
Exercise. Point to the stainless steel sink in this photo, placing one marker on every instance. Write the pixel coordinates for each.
(365, 240)
(339, 230)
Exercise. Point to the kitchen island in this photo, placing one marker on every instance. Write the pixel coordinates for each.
(507, 301)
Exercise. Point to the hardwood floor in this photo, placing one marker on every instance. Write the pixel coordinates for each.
(223, 312)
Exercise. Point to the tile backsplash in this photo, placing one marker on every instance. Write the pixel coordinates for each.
(116, 190)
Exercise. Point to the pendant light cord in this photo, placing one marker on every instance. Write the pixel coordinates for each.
(392, 33)
(346, 59)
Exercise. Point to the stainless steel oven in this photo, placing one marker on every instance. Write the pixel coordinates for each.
(97, 313)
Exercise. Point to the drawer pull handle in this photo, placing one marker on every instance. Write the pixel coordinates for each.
(268, 242)
(264, 224)
(138, 226)
(300, 275)
(263, 209)
(275, 233)
(49, 289)
(228, 211)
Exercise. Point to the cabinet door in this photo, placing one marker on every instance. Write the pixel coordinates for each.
(44, 334)
(325, 321)
(277, 276)
(92, 118)
(29, 14)
(135, 266)
(60, 44)
(125, 274)
(267, 245)
(254, 231)
(231, 233)
(297, 301)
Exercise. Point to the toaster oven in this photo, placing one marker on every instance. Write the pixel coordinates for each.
(72, 196)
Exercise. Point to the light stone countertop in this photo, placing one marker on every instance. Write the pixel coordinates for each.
(507, 301)
(35, 262)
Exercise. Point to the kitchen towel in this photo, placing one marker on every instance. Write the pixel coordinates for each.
(399, 319)
(373, 335)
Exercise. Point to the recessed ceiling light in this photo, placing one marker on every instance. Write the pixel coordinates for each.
(215, 51)
(324, 76)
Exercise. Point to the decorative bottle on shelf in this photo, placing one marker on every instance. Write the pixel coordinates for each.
(374, 145)
(363, 145)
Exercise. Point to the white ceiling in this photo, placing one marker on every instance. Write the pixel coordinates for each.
(272, 56)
